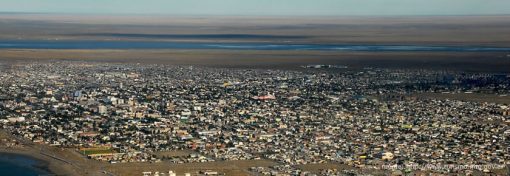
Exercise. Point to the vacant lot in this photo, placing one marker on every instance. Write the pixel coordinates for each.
(173, 153)
(95, 151)
(237, 168)
(315, 168)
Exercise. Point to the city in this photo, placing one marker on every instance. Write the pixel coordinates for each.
(358, 119)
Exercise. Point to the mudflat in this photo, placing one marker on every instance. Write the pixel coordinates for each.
(422, 30)
(491, 31)
(466, 61)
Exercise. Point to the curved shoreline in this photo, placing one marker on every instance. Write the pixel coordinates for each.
(35, 165)
(46, 165)
(31, 152)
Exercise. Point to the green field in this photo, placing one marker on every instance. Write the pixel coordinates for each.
(97, 151)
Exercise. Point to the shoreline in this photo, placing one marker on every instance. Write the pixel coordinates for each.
(52, 166)
(44, 164)
(35, 164)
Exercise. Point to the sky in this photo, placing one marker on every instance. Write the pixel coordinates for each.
(263, 7)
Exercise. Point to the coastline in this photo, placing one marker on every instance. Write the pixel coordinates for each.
(26, 161)
(43, 163)
(31, 152)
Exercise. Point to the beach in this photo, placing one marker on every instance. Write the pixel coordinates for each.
(23, 151)
(22, 165)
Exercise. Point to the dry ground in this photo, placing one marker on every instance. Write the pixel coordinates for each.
(237, 168)
(173, 153)
(454, 30)
(315, 168)
(479, 62)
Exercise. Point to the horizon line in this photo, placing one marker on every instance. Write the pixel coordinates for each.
(245, 15)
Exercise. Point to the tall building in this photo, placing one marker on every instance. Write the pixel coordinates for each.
(102, 110)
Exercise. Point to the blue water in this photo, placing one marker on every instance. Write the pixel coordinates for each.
(40, 44)
(19, 165)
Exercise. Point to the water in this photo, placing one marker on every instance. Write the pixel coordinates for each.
(47, 44)
(19, 165)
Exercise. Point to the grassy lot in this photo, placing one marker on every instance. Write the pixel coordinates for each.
(95, 151)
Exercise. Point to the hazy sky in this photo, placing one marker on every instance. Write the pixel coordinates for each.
(263, 7)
